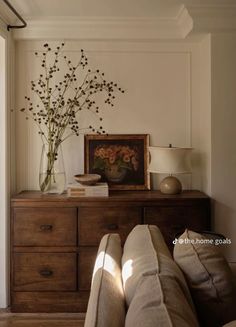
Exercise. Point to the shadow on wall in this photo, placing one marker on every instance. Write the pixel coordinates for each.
(223, 222)
(200, 171)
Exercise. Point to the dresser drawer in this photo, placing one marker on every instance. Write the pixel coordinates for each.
(86, 261)
(173, 220)
(97, 221)
(45, 227)
(45, 272)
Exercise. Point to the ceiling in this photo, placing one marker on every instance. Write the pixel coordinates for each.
(112, 8)
(93, 8)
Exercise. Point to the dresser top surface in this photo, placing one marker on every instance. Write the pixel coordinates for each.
(135, 196)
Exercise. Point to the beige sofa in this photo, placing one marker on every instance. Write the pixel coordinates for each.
(141, 285)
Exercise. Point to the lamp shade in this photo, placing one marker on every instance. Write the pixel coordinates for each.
(169, 160)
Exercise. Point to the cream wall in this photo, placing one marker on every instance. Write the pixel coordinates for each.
(164, 97)
(201, 115)
(223, 152)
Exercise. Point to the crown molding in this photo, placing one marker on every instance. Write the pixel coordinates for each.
(185, 21)
(199, 18)
(108, 28)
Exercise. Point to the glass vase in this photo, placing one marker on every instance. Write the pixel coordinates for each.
(52, 177)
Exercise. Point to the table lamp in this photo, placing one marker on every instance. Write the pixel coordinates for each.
(170, 160)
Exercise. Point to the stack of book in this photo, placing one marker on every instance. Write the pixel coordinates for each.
(79, 190)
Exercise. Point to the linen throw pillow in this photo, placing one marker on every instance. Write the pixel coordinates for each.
(155, 289)
(209, 278)
(106, 306)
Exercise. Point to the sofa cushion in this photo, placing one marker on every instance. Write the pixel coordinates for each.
(159, 301)
(231, 324)
(145, 251)
(106, 299)
(209, 278)
(147, 270)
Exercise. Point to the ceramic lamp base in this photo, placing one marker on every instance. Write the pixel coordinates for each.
(170, 185)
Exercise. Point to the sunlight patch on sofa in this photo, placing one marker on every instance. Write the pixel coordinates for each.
(106, 262)
(127, 271)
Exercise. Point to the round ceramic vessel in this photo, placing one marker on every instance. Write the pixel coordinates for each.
(87, 179)
(170, 185)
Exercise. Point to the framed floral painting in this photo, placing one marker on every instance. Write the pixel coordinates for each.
(121, 160)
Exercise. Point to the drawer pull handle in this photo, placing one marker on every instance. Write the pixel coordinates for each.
(46, 228)
(46, 272)
(112, 226)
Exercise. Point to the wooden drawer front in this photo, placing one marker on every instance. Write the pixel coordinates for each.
(174, 220)
(45, 227)
(49, 302)
(96, 222)
(86, 261)
(44, 271)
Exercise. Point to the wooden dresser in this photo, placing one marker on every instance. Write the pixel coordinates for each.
(54, 239)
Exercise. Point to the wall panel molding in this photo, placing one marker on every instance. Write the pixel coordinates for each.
(152, 110)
